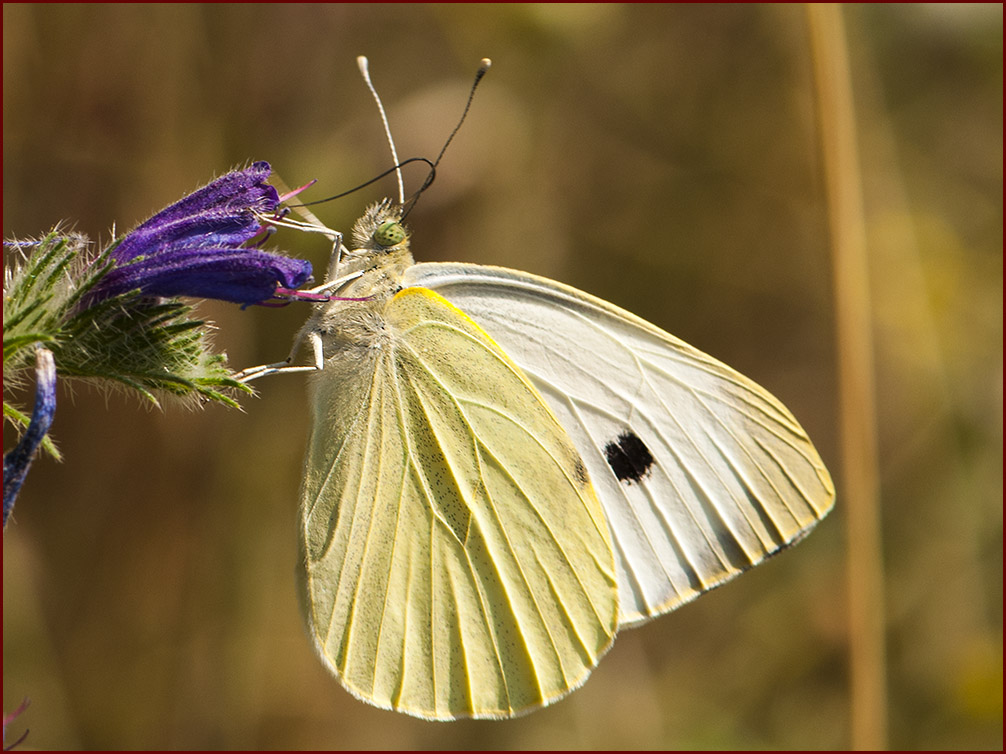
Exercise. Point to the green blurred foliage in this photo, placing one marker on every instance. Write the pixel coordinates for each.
(665, 158)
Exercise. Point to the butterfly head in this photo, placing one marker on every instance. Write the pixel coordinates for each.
(380, 231)
(380, 253)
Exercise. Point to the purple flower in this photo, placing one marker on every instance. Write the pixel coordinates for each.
(195, 246)
(16, 463)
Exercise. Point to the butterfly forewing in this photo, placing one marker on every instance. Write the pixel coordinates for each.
(701, 472)
(456, 558)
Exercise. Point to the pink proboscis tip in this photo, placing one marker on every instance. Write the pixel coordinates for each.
(291, 194)
(289, 295)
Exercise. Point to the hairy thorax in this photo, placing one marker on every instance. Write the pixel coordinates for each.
(356, 318)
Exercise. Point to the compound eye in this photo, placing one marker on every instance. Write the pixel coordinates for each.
(389, 233)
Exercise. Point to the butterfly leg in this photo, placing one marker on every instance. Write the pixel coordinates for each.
(328, 288)
(332, 280)
(334, 285)
(286, 366)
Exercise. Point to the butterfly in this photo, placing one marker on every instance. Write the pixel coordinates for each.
(503, 472)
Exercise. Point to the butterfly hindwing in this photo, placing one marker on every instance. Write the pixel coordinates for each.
(456, 560)
(701, 472)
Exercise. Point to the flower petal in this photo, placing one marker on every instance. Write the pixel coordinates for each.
(243, 276)
(224, 207)
(210, 228)
(17, 462)
(195, 247)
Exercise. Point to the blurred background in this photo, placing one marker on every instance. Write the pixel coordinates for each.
(665, 158)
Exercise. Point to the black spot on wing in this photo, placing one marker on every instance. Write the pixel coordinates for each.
(580, 473)
(628, 457)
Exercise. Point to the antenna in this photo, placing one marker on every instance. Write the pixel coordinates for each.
(484, 66)
(376, 178)
(364, 66)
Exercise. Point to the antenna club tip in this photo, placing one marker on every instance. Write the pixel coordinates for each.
(483, 67)
(362, 62)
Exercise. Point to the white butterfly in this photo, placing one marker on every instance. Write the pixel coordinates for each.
(503, 471)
